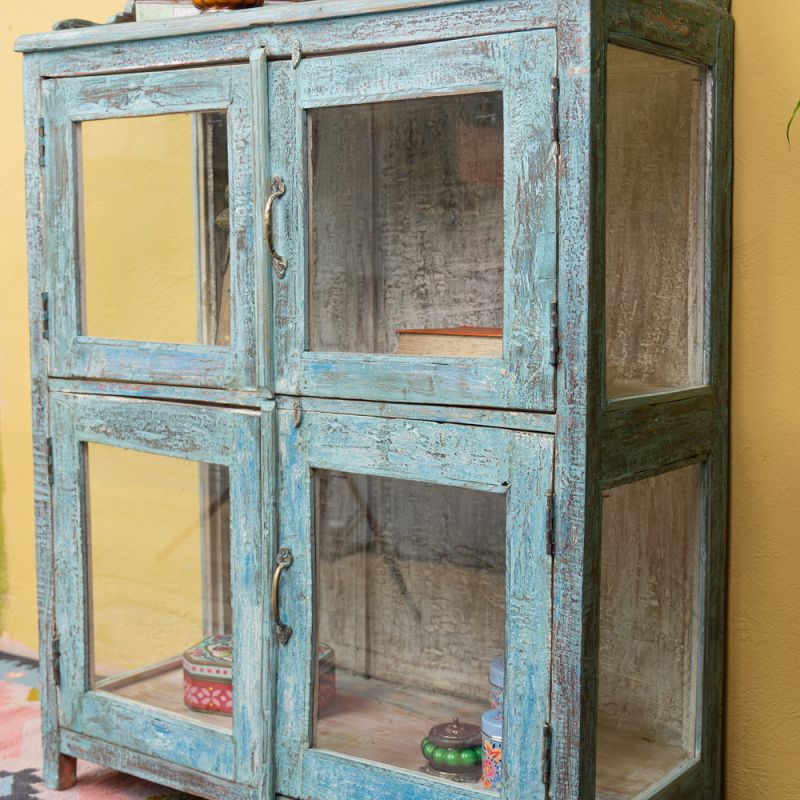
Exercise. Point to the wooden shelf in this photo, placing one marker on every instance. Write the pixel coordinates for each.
(628, 765)
(385, 723)
(163, 689)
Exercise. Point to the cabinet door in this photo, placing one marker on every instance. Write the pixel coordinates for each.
(416, 235)
(414, 554)
(151, 240)
(158, 542)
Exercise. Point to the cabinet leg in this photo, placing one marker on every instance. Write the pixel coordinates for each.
(62, 774)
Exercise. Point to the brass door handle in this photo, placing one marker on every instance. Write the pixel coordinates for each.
(284, 632)
(278, 190)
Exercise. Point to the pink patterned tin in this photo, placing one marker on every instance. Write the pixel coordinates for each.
(208, 675)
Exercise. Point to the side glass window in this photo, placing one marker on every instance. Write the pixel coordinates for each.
(655, 223)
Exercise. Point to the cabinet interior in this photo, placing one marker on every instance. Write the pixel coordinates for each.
(406, 224)
(656, 187)
(649, 637)
(410, 595)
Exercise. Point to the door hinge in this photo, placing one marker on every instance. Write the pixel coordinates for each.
(45, 315)
(297, 54)
(551, 523)
(41, 142)
(554, 343)
(50, 467)
(555, 125)
(57, 659)
(547, 746)
(297, 410)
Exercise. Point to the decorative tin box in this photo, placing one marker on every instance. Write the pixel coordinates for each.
(492, 732)
(208, 675)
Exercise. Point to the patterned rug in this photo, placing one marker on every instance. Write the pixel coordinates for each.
(21, 749)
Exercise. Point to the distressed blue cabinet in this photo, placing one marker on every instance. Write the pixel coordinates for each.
(373, 343)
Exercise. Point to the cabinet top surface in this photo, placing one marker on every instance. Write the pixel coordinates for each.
(275, 13)
(287, 13)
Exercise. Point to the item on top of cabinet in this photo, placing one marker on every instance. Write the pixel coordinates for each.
(497, 674)
(208, 675)
(453, 751)
(462, 340)
(147, 10)
(226, 5)
(326, 684)
(492, 730)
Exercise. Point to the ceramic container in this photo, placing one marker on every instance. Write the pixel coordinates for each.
(492, 734)
(453, 751)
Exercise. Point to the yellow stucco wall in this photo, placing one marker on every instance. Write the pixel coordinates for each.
(763, 702)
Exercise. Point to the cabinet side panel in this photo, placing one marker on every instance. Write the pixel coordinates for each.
(58, 771)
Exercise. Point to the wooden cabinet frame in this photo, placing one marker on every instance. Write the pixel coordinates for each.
(520, 65)
(598, 443)
(203, 435)
(68, 102)
(514, 463)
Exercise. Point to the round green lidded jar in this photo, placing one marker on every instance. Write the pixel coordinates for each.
(453, 751)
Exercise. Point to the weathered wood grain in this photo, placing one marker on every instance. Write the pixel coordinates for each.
(153, 769)
(643, 440)
(58, 771)
(517, 420)
(574, 630)
(688, 27)
(270, 16)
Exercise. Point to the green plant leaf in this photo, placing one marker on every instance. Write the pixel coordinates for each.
(791, 120)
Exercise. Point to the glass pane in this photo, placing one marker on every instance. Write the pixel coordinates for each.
(160, 581)
(155, 262)
(655, 218)
(649, 632)
(406, 227)
(410, 601)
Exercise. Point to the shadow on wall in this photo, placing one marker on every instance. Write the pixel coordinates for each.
(3, 565)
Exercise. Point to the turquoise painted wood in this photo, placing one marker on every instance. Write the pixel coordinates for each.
(70, 101)
(515, 463)
(522, 66)
(198, 434)
(516, 426)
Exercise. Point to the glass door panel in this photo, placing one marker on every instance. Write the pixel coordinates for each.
(161, 627)
(153, 275)
(160, 581)
(649, 631)
(414, 246)
(406, 227)
(656, 187)
(410, 611)
(419, 566)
